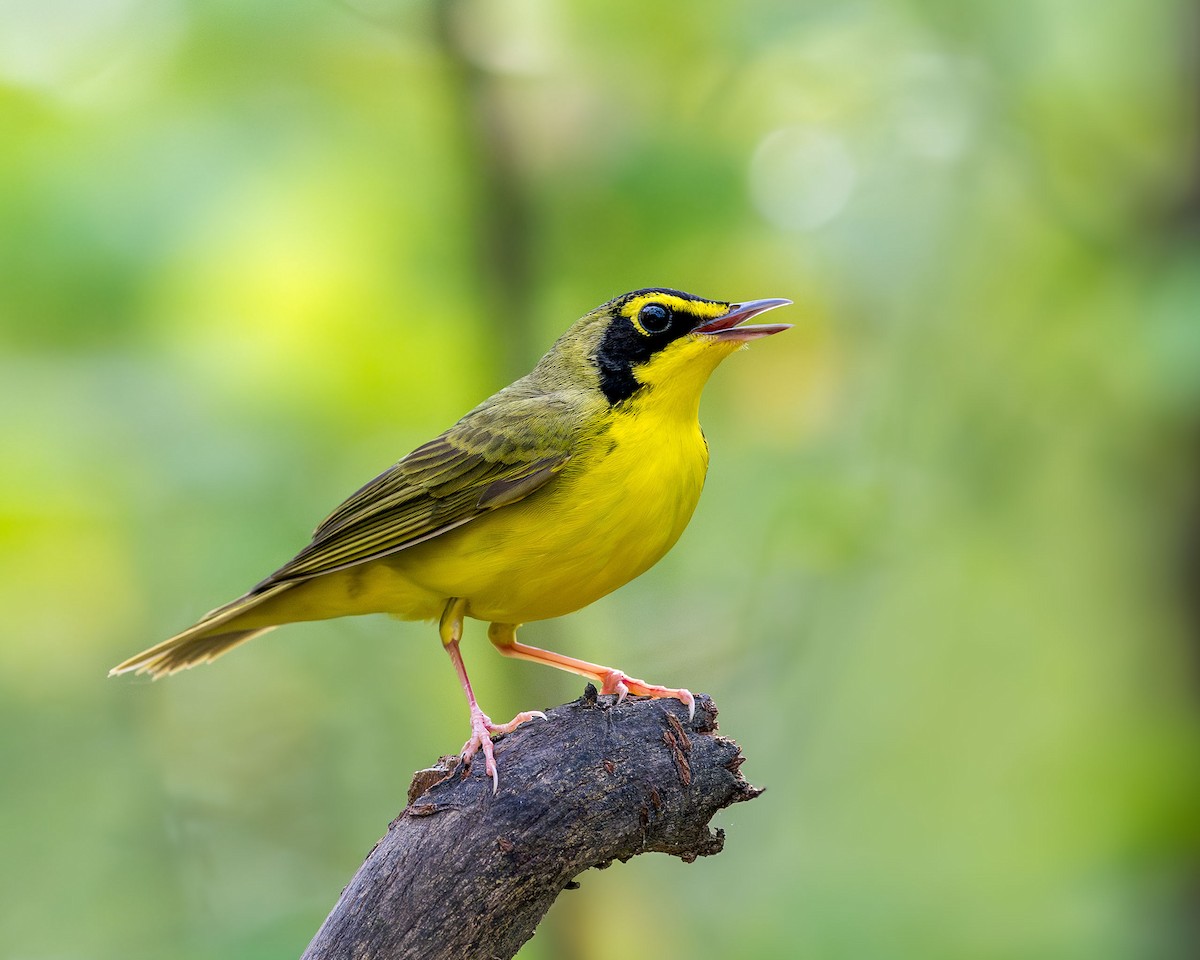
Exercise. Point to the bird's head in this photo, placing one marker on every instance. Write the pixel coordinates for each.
(662, 340)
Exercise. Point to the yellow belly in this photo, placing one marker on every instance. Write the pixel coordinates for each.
(608, 517)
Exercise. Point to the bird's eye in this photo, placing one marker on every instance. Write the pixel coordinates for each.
(654, 318)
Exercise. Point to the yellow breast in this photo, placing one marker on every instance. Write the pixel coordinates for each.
(609, 516)
(621, 502)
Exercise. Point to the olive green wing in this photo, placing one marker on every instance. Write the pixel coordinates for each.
(496, 455)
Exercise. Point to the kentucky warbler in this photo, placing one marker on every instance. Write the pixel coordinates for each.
(547, 496)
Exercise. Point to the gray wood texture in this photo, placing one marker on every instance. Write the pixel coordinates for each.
(467, 875)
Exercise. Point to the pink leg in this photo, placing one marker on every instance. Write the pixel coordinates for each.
(504, 637)
(481, 724)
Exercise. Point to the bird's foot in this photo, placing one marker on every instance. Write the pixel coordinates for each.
(481, 741)
(617, 682)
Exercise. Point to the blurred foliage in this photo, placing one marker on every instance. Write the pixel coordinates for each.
(254, 251)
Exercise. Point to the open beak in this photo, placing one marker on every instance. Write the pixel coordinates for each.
(726, 327)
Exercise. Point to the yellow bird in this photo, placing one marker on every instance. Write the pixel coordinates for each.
(550, 494)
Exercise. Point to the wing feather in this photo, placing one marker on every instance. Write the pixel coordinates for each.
(488, 460)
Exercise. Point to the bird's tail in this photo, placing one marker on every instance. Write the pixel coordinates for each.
(215, 634)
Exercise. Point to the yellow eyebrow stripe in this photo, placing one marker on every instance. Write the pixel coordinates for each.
(697, 308)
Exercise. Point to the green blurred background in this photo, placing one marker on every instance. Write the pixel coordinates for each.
(251, 252)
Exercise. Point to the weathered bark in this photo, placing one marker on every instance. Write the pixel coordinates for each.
(464, 874)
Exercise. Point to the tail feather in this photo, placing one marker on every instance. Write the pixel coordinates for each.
(179, 653)
(217, 633)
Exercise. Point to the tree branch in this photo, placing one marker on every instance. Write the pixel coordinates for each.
(464, 874)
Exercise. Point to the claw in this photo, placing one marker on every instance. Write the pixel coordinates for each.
(622, 685)
(481, 741)
(516, 721)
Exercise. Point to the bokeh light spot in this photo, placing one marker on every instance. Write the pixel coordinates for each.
(801, 178)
